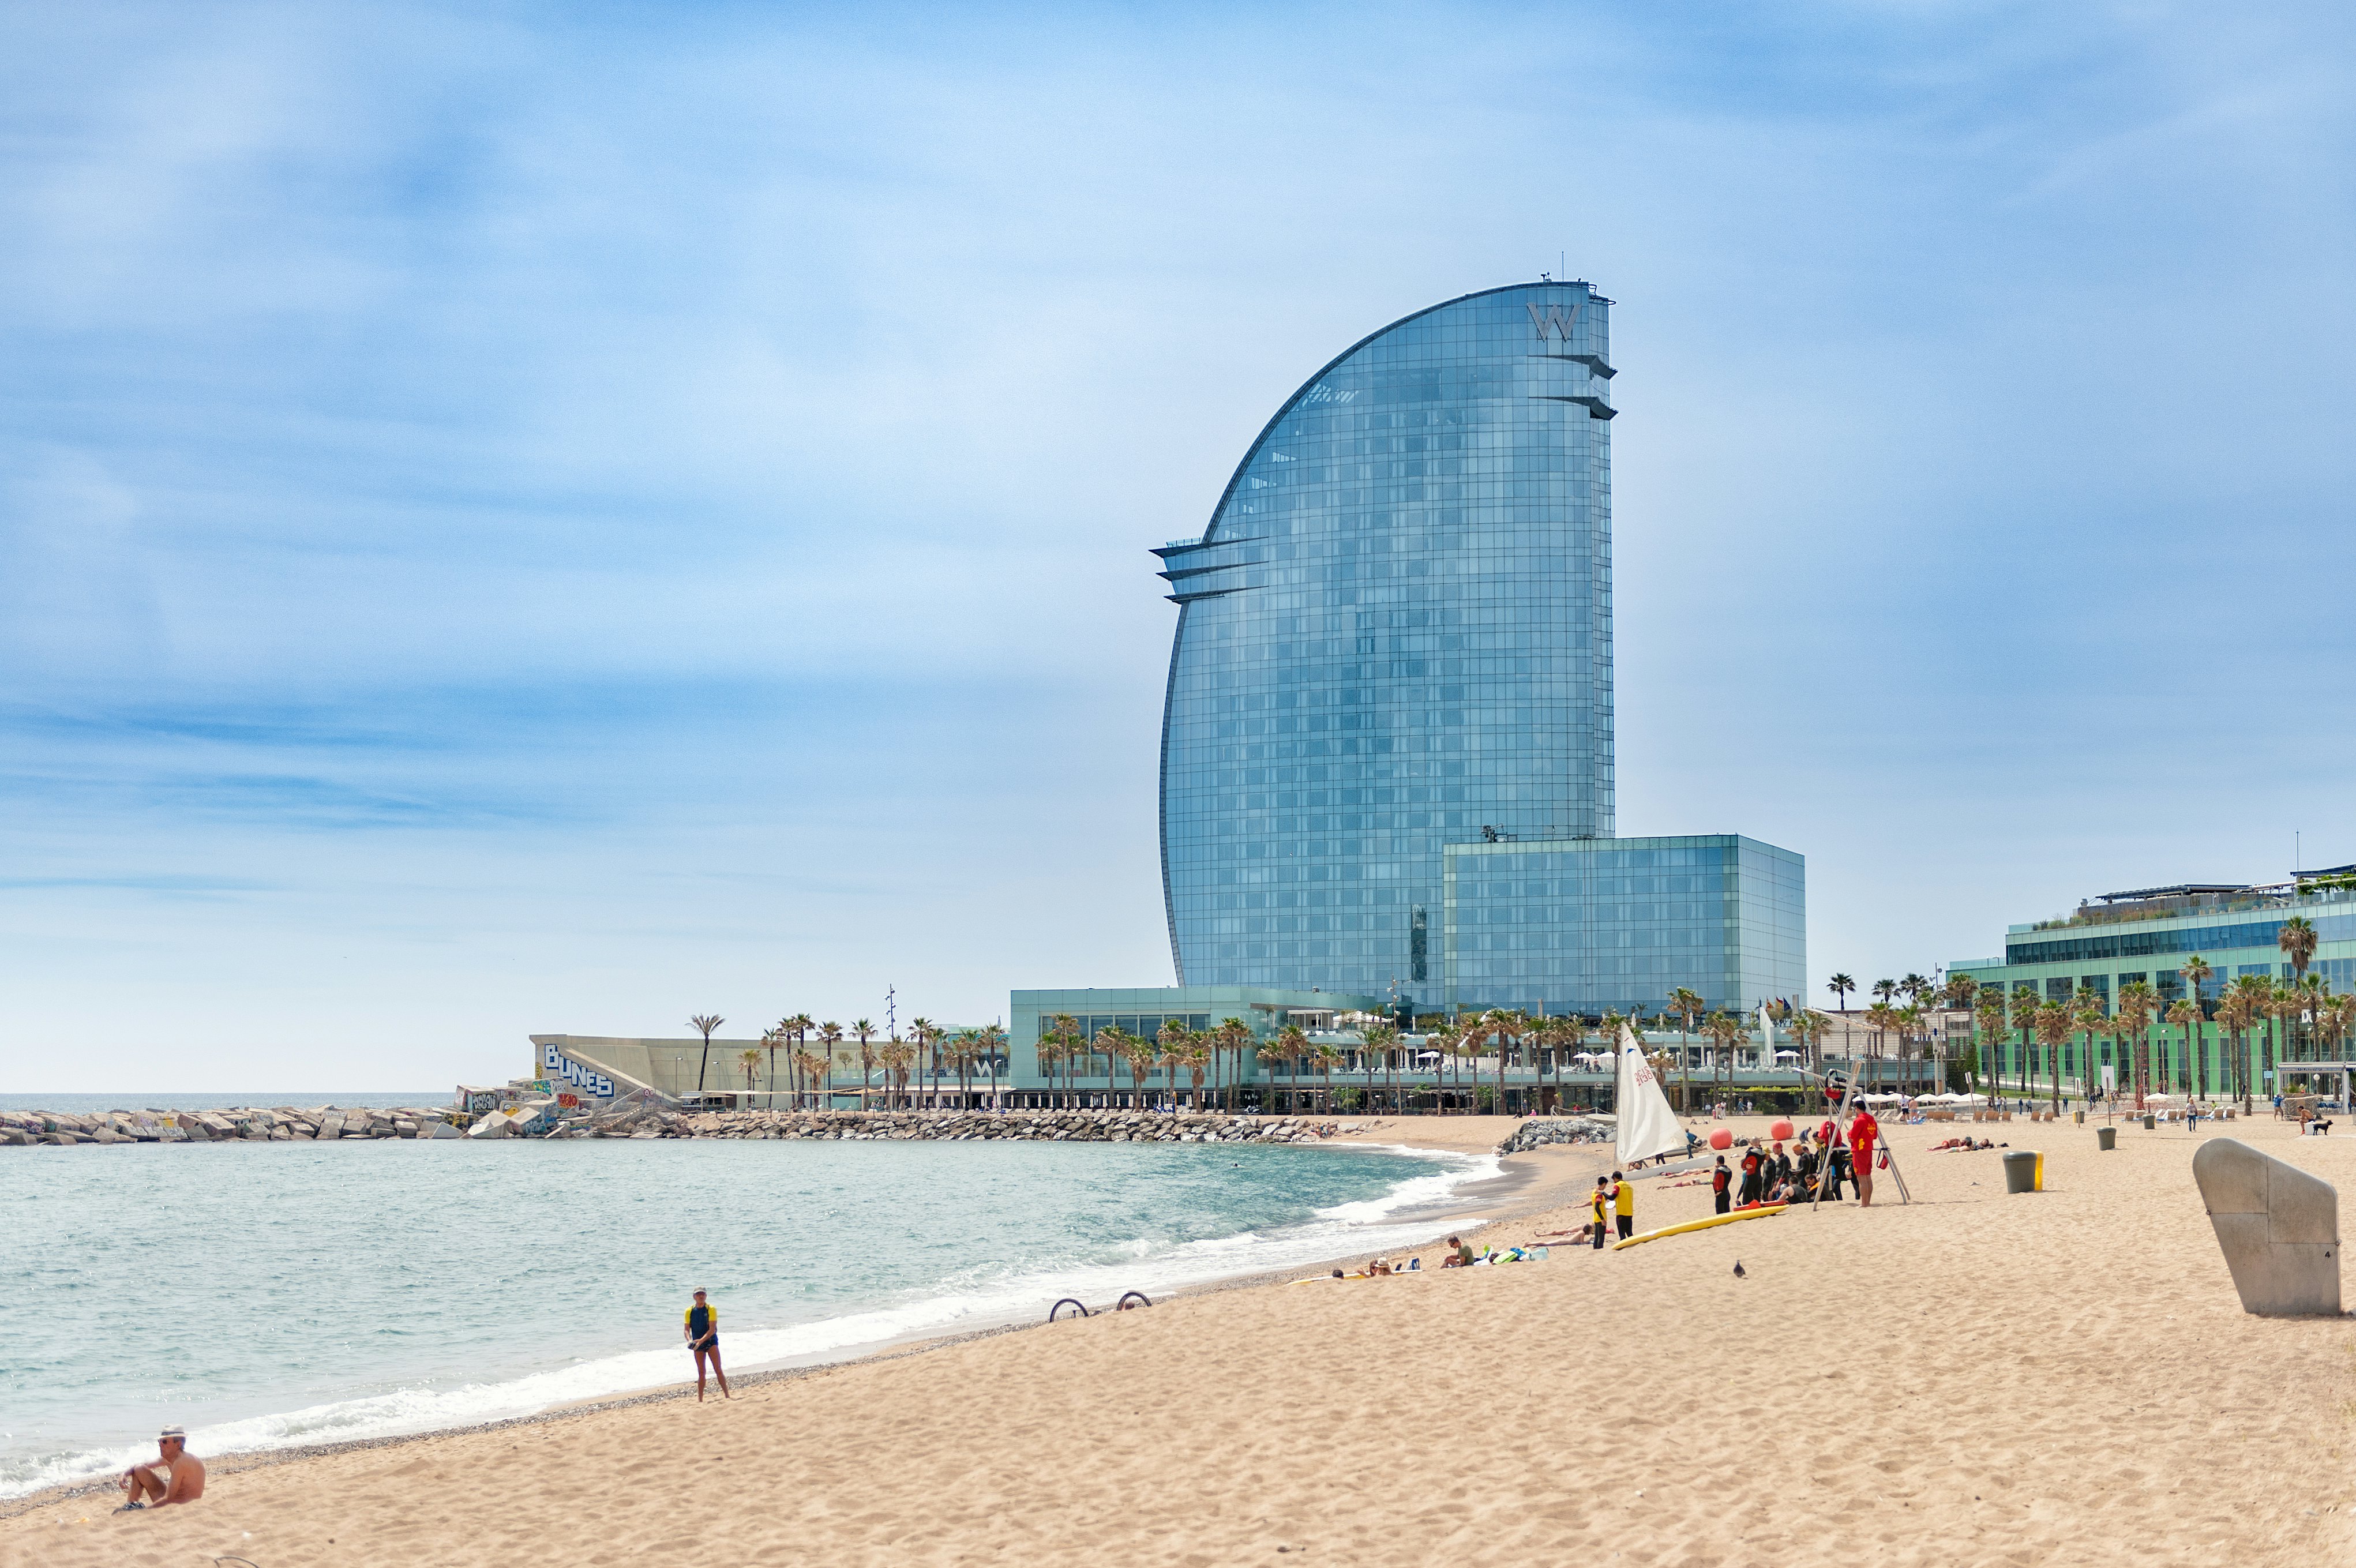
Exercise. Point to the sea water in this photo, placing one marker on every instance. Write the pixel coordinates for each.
(274, 1294)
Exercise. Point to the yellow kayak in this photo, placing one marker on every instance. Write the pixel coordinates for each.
(1641, 1237)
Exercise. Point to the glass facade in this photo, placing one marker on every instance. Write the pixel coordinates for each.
(1395, 636)
(1590, 925)
(2053, 959)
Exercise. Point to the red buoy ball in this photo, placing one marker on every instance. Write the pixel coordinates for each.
(1779, 1130)
(1722, 1138)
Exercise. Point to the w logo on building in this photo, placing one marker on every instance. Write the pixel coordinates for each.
(1554, 320)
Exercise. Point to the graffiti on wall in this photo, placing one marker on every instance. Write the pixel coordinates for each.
(587, 1080)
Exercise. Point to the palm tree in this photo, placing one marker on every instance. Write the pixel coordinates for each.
(2090, 1012)
(1881, 1018)
(2185, 1013)
(2237, 1014)
(964, 1046)
(1988, 1013)
(1840, 985)
(1140, 1054)
(2025, 1004)
(863, 1031)
(808, 1062)
(2297, 939)
(1884, 990)
(926, 1035)
(1068, 1046)
(2196, 972)
(990, 1040)
(1688, 1004)
(1172, 1037)
(2054, 1022)
(1329, 1056)
(751, 1059)
(1561, 1035)
(1381, 1040)
(799, 1026)
(1235, 1036)
(2137, 1004)
(1287, 1047)
(1956, 996)
(1722, 1029)
(707, 1022)
(772, 1038)
(830, 1036)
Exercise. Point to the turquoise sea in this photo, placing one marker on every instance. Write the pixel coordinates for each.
(271, 1295)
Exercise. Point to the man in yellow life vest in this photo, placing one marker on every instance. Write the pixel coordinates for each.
(703, 1339)
(1624, 1204)
(1599, 1204)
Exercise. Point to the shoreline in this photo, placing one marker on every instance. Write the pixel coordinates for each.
(1520, 1186)
(2039, 1377)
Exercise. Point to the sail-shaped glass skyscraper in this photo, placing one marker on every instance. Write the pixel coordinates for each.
(1393, 663)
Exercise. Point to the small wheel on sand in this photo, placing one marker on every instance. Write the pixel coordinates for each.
(1138, 1296)
(1077, 1310)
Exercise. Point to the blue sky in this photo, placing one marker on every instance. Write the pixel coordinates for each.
(535, 518)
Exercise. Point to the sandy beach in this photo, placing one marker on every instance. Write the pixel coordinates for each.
(2057, 1378)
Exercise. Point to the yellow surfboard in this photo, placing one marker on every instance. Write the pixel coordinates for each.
(1641, 1237)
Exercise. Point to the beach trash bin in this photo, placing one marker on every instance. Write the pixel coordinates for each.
(2079, 1117)
(2021, 1169)
(2106, 1137)
(2149, 1123)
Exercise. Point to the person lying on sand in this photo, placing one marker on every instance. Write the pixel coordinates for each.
(177, 1476)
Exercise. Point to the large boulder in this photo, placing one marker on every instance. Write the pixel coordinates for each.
(438, 1129)
(2278, 1226)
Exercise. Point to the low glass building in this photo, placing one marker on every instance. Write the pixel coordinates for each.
(2152, 934)
(1595, 925)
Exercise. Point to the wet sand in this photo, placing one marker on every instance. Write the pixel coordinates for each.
(2061, 1377)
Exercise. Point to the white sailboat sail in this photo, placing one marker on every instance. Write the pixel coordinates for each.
(1648, 1125)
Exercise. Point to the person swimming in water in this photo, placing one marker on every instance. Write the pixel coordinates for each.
(703, 1339)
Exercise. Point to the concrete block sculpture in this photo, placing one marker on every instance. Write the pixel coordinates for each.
(2278, 1226)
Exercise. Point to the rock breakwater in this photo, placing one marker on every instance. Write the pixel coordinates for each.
(1539, 1132)
(884, 1126)
(282, 1124)
(646, 1119)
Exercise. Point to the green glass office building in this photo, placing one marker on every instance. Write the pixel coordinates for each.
(2151, 935)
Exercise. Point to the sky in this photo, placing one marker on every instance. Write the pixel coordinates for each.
(553, 518)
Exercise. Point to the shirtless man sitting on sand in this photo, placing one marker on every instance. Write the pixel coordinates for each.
(177, 1476)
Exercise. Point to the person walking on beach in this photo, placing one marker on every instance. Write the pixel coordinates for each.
(1718, 1180)
(1862, 1131)
(1750, 1175)
(1624, 1204)
(703, 1339)
(177, 1476)
(1601, 1204)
